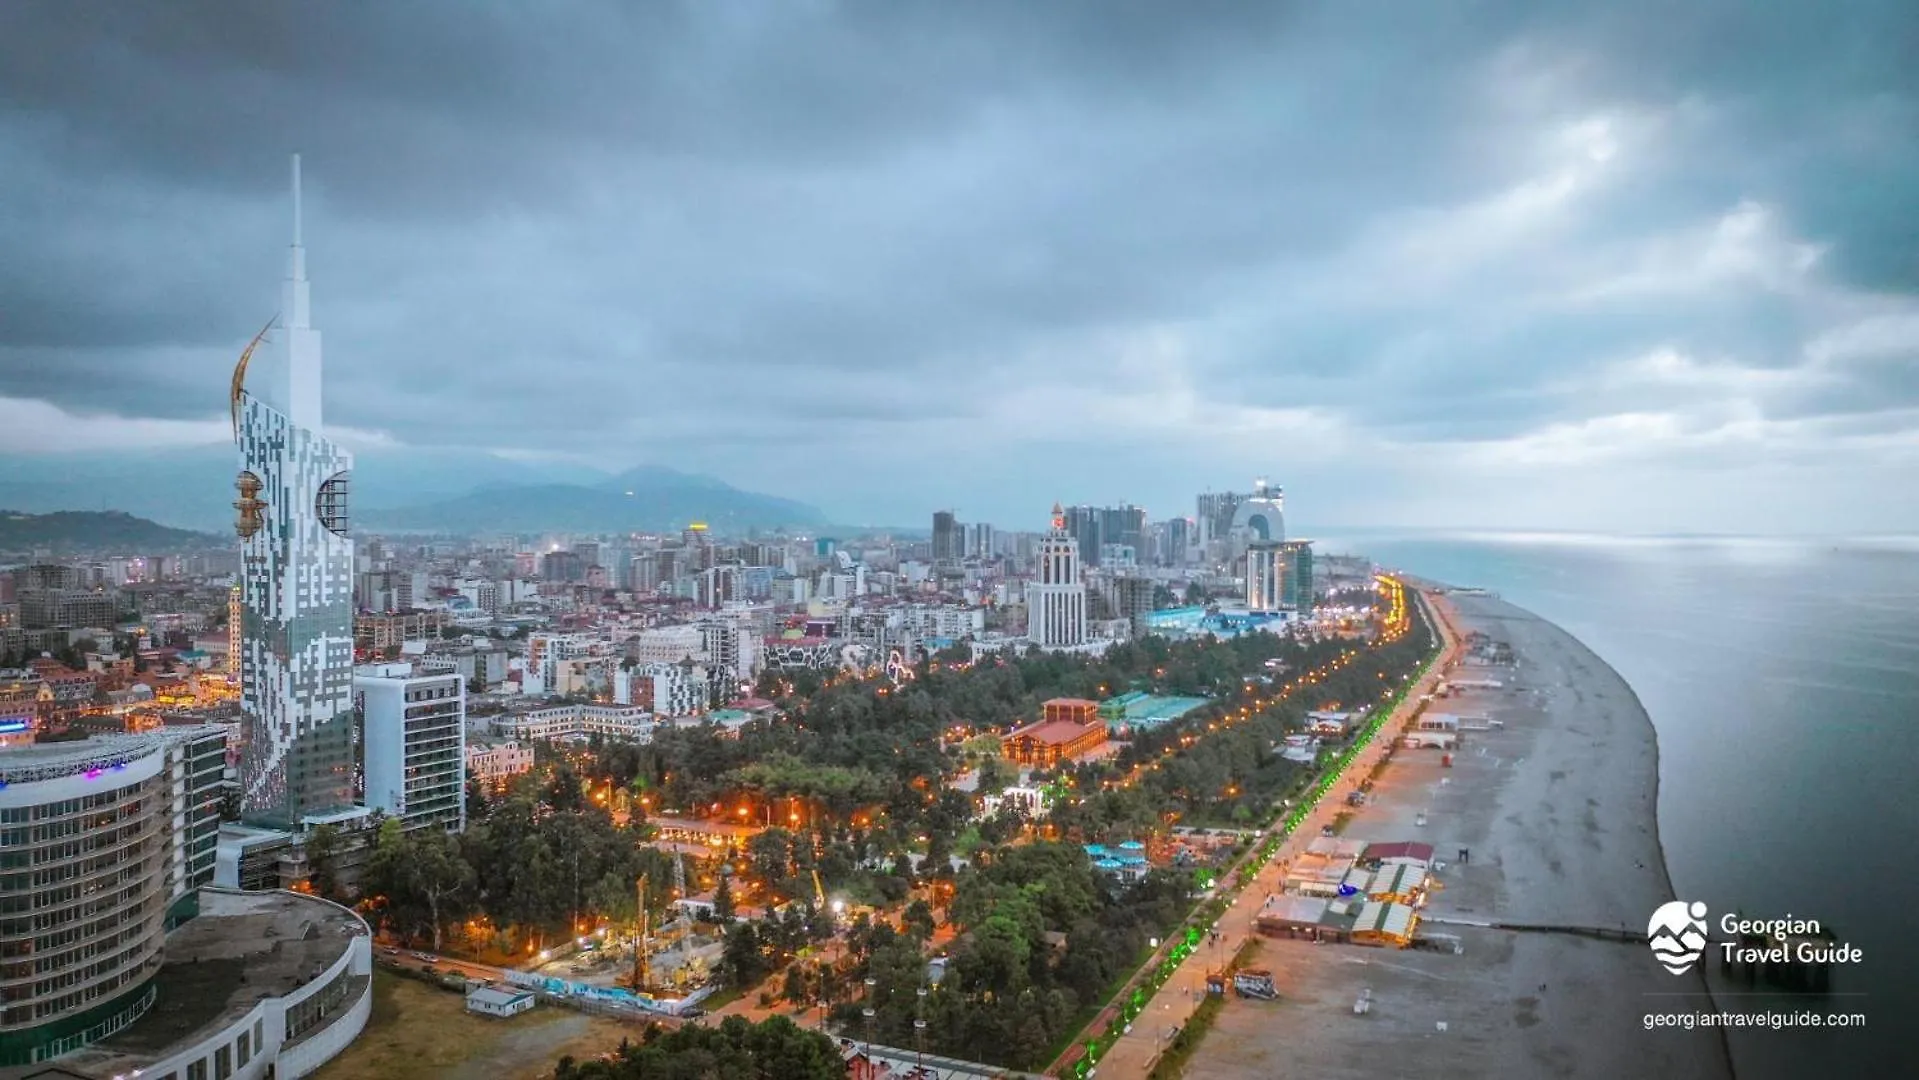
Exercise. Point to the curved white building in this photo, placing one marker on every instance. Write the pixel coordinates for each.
(1260, 517)
(261, 984)
(103, 843)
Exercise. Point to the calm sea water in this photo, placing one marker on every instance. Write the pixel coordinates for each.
(1782, 677)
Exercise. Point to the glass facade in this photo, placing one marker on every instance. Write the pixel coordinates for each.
(296, 635)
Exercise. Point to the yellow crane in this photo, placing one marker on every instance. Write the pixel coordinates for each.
(639, 942)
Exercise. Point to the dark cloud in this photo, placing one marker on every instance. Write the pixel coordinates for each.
(931, 236)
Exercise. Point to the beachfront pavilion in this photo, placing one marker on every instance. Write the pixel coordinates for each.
(1351, 920)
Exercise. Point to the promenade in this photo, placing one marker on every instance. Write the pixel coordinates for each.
(1556, 805)
(1135, 1052)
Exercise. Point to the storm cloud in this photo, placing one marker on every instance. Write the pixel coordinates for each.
(1637, 267)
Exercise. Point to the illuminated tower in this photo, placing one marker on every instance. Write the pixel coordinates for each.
(1056, 597)
(296, 578)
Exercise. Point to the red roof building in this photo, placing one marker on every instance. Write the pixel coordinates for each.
(1049, 742)
(1070, 710)
(1401, 851)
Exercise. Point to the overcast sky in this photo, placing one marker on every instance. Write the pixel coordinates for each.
(1637, 266)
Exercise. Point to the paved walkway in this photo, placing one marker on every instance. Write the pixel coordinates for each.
(1134, 1053)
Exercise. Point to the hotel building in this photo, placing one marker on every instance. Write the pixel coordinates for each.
(413, 744)
(104, 844)
(1056, 597)
(296, 578)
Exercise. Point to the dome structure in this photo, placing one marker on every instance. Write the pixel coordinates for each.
(1261, 518)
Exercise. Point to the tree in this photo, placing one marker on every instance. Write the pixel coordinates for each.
(773, 1049)
(723, 908)
(423, 875)
(798, 987)
(995, 775)
(323, 853)
(563, 791)
(742, 962)
(919, 919)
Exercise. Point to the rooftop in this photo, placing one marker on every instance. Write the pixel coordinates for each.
(242, 948)
(1053, 731)
(45, 761)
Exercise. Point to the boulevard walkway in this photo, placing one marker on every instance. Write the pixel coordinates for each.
(1134, 1054)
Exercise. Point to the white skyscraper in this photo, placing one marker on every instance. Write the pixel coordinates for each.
(414, 743)
(1056, 597)
(296, 577)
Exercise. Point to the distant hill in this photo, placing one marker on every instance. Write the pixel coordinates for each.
(192, 487)
(97, 530)
(647, 499)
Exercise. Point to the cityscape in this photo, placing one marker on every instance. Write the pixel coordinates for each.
(656, 777)
(540, 751)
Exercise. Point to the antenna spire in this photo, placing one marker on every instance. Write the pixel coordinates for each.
(296, 200)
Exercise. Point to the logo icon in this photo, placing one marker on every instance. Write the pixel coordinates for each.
(1678, 933)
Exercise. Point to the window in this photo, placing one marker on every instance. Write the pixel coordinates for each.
(223, 1063)
(197, 1070)
(259, 1035)
(244, 1050)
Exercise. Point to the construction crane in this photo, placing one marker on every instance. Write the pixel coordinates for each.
(639, 943)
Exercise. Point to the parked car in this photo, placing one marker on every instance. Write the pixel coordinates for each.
(426, 958)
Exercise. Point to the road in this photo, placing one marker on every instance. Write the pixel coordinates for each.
(1134, 1053)
(405, 960)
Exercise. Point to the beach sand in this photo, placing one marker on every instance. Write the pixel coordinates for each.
(1558, 811)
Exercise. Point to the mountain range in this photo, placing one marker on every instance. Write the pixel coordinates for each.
(409, 490)
(91, 530)
(646, 499)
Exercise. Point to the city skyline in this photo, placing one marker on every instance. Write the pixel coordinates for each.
(1567, 280)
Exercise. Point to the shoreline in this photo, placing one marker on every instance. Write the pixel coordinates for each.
(1659, 842)
(1558, 805)
(1428, 587)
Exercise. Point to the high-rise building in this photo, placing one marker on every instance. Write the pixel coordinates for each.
(1279, 575)
(563, 566)
(1260, 518)
(1084, 525)
(296, 578)
(1215, 515)
(980, 541)
(1178, 537)
(413, 744)
(1056, 597)
(947, 542)
(108, 842)
(1124, 525)
(1133, 601)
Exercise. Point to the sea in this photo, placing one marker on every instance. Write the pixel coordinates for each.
(1782, 678)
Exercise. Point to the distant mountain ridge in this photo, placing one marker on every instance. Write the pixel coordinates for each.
(650, 498)
(402, 490)
(97, 530)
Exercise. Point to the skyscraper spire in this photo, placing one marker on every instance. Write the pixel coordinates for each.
(302, 342)
(296, 200)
